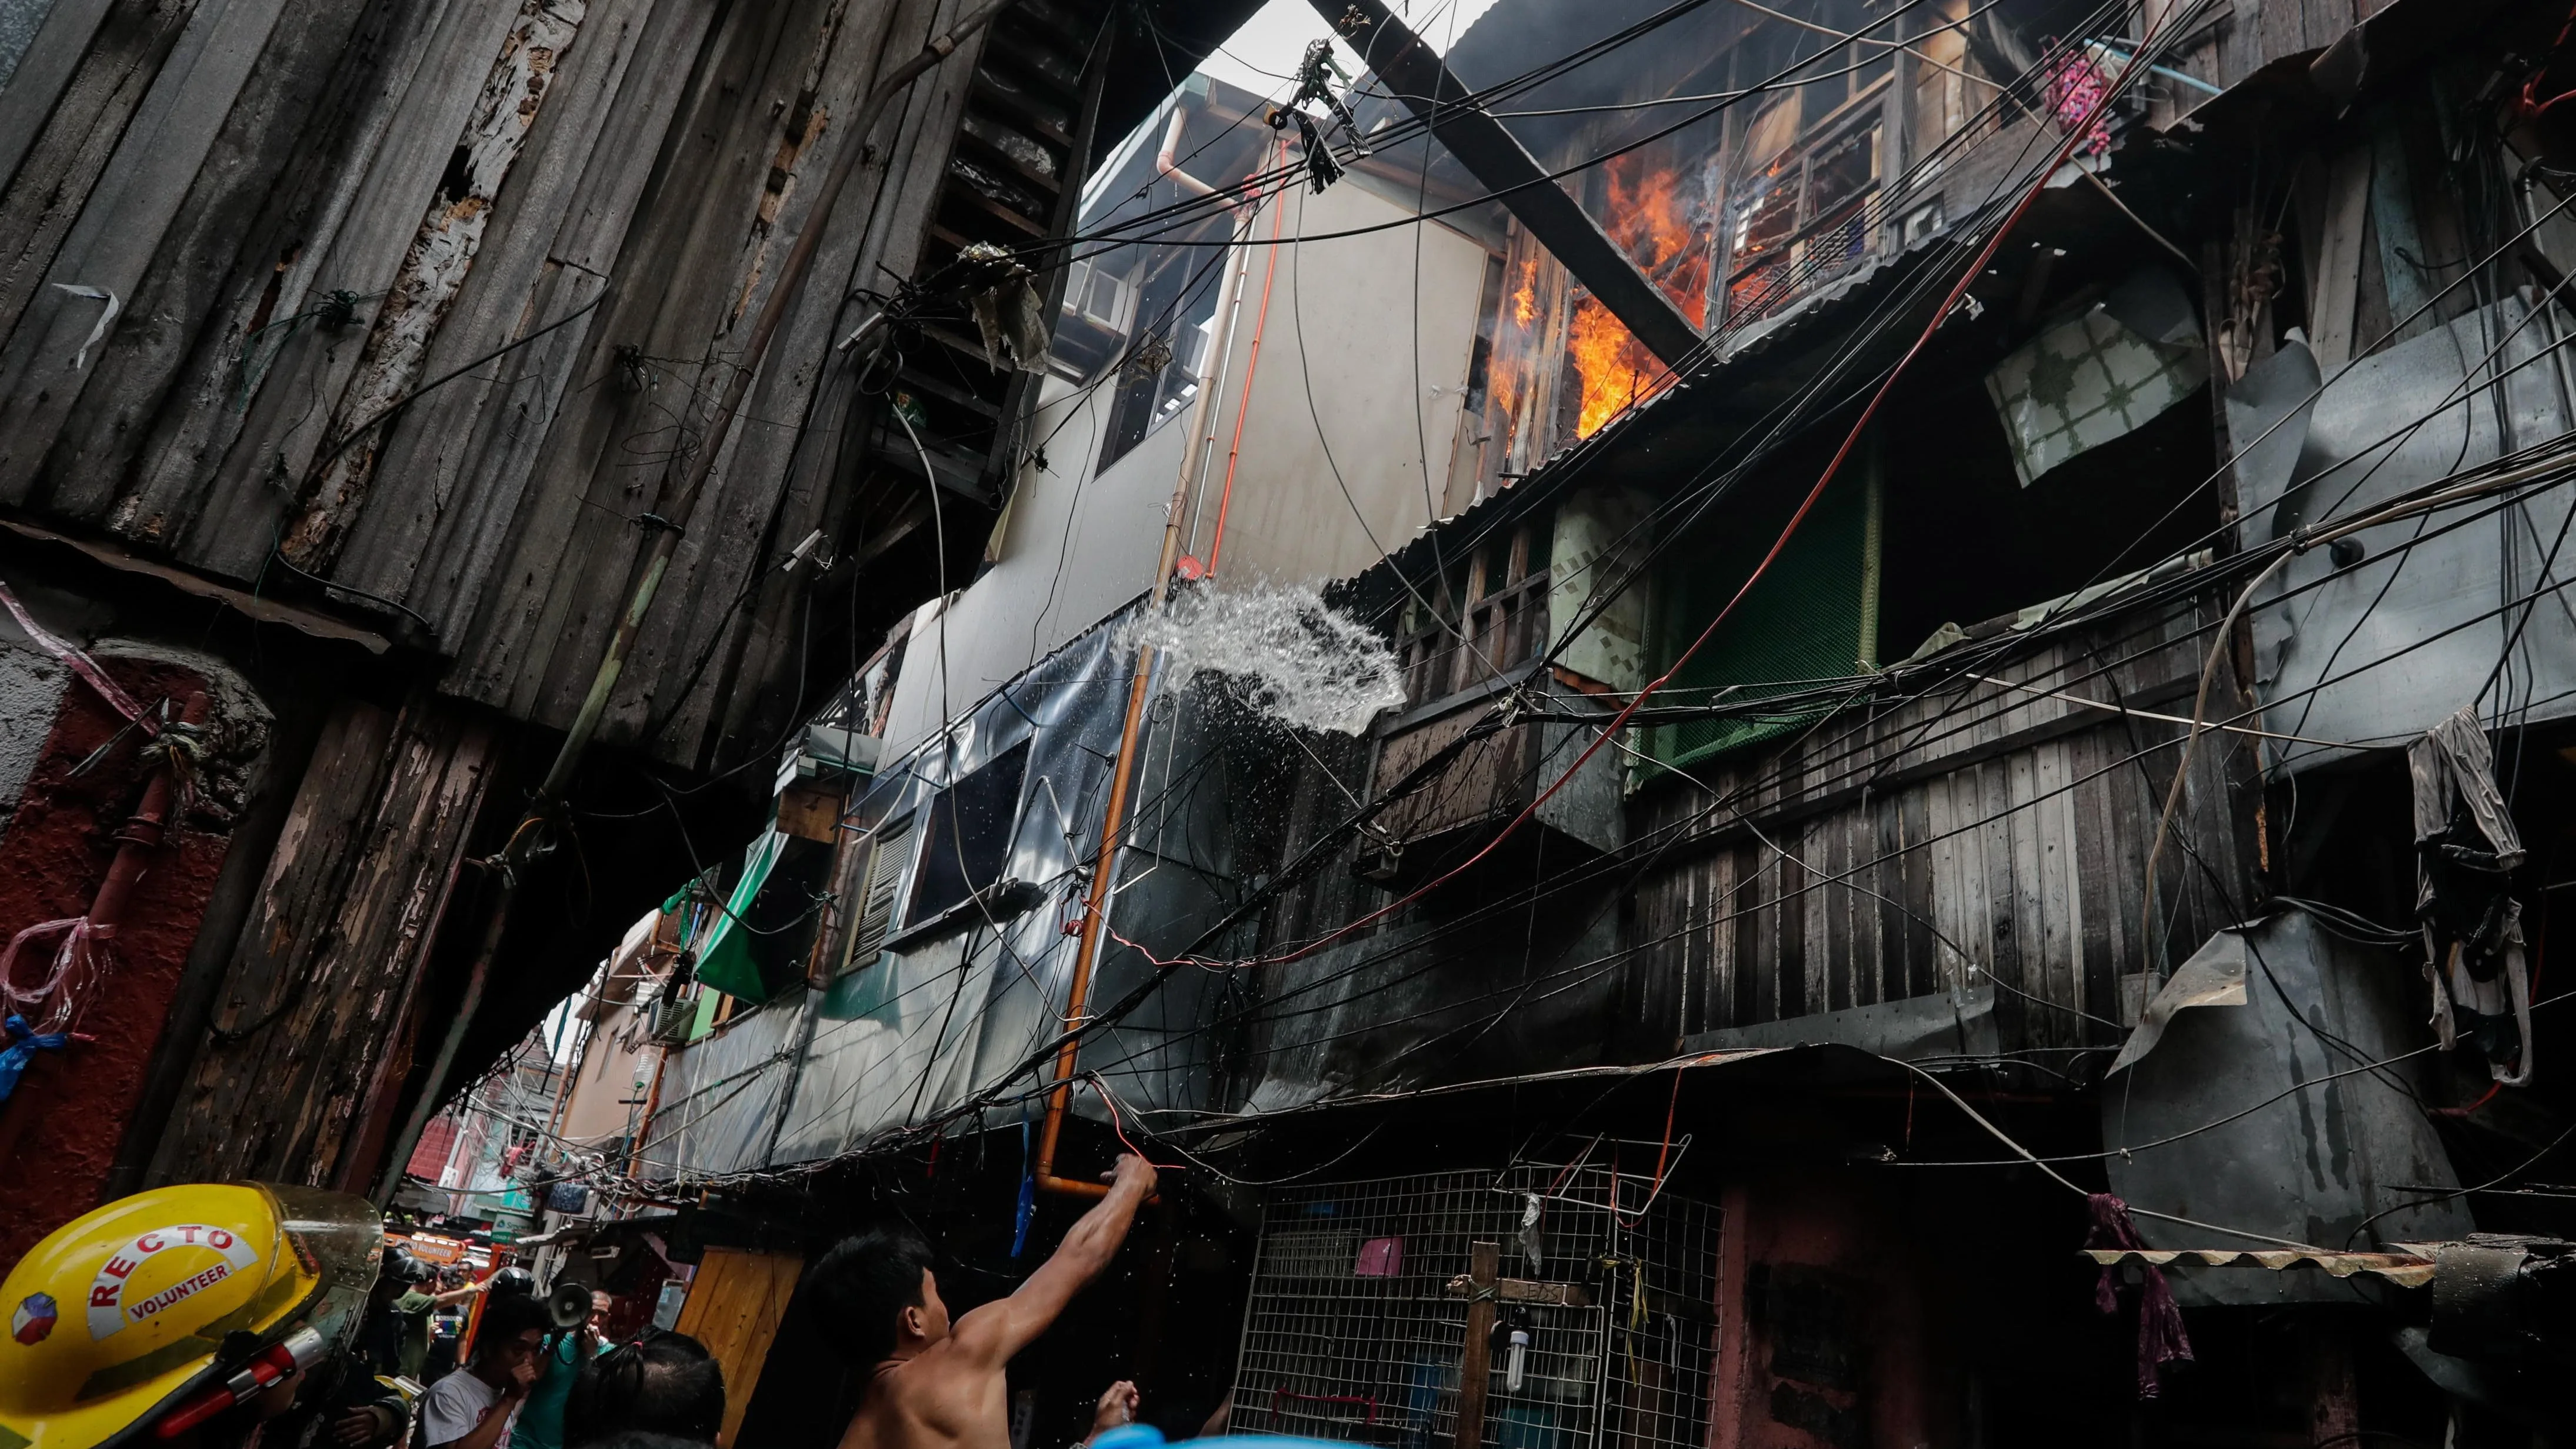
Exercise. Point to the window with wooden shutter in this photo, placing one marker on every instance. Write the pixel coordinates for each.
(888, 854)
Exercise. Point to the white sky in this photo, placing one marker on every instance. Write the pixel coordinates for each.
(1260, 56)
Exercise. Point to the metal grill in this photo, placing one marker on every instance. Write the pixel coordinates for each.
(1358, 1317)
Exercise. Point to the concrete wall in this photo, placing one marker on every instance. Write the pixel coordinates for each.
(1078, 546)
(73, 772)
(1339, 322)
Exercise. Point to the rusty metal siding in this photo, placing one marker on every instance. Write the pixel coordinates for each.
(1982, 827)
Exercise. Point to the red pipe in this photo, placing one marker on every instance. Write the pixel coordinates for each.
(1260, 320)
(138, 842)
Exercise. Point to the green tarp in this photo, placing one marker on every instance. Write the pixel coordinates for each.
(724, 962)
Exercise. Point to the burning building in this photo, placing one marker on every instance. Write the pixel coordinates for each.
(1941, 838)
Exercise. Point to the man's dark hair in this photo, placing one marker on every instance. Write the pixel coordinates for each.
(864, 1283)
(665, 1384)
(507, 1318)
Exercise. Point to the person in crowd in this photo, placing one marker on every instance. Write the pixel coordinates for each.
(446, 1320)
(394, 1338)
(662, 1386)
(476, 1406)
(559, 1363)
(934, 1385)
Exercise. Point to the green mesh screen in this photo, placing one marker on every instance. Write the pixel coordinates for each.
(1813, 616)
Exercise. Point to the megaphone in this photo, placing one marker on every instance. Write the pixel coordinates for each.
(568, 1305)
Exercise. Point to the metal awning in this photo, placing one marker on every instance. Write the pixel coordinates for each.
(2406, 1270)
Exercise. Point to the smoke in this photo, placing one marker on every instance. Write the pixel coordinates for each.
(1295, 658)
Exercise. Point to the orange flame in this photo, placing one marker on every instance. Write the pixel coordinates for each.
(1507, 368)
(1653, 223)
(1612, 367)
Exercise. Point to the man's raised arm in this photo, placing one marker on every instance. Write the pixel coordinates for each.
(1001, 1329)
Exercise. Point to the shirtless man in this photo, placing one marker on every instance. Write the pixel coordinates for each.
(934, 1386)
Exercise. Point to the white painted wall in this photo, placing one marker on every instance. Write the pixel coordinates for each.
(1078, 547)
(1342, 320)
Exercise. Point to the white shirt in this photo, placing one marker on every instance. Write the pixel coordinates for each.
(455, 1405)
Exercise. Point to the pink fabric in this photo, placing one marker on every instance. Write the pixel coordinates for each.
(2076, 89)
(81, 664)
(1380, 1258)
(2161, 1339)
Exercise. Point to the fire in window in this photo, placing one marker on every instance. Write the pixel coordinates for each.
(1800, 214)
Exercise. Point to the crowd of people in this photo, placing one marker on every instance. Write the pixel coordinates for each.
(532, 1383)
(258, 1316)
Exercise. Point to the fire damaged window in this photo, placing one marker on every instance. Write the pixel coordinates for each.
(2076, 459)
(1165, 365)
(1488, 615)
(1798, 212)
(968, 836)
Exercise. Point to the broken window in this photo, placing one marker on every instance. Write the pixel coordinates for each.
(1487, 615)
(967, 839)
(1979, 548)
(1798, 210)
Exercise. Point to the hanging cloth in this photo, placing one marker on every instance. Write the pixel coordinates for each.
(2161, 1339)
(725, 962)
(2466, 850)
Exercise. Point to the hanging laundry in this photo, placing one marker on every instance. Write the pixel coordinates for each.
(2466, 850)
(2161, 1338)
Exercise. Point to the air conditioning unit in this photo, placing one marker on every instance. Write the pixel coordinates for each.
(672, 1019)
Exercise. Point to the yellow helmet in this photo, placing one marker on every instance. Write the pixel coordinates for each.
(174, 1304)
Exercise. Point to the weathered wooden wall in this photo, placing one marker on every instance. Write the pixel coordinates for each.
(309, 1039)
(309, 207)
(735, 1302)
(1982, 826)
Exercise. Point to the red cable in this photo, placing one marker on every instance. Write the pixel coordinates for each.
(2076, 136)
(1260, 323)
(2077, 133)
(1112, 1105)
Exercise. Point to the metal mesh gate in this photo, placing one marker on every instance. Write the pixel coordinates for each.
(1356, 1325)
